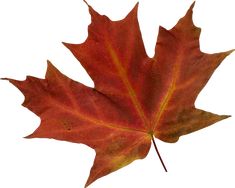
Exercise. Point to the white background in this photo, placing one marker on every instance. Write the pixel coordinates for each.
(32, 31)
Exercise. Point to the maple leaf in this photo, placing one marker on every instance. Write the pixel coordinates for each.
(135, 99)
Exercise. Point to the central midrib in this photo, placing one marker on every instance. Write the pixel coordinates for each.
(125, 80)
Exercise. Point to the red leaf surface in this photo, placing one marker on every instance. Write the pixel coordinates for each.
(135, 99)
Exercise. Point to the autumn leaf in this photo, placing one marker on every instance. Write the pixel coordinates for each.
(135, 98)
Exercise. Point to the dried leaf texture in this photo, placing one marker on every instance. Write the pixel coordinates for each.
(135, 97)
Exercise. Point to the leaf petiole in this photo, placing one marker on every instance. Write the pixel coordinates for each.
(155, 146)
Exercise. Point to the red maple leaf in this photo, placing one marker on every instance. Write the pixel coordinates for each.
(135, 99)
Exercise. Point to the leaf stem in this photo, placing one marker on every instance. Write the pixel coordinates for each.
(155, 146)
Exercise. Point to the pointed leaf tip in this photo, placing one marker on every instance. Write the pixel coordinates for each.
(93, 13)
(28, 137)
(51, 71)
(189, 15)
(8, 79)
(67, 45)
(186, 24)
(49, 63)
(226, 116)
(230, 51)
(50, 66)
(190, 10)
(193, 4)
(135, 8)
(134, 11)
(86, 2)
